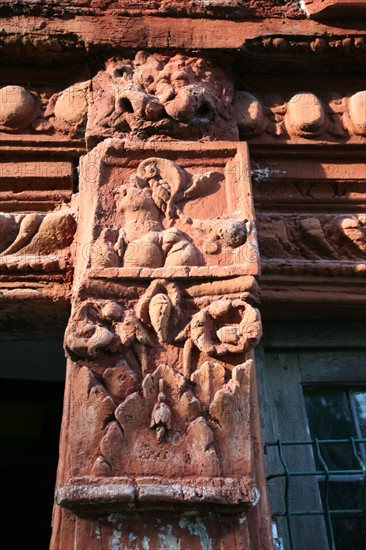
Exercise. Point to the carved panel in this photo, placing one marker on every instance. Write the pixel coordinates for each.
(37, 241)
(41, 117)
(180, 211)
(161, 391)
(313, 243)
(319, 226)
(37, 224)
(37, 219)
(179, 96)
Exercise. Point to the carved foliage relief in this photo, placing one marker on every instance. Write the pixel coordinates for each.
(161, 387)
(314, 237)
(36, 240)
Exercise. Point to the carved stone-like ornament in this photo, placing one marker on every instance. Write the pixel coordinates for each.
(159, 220)
(249, 114)
(161, 416)
(357, 113)
(17, 107)
(36, 239)
(187, 97)
(305, 115)
(71, 106)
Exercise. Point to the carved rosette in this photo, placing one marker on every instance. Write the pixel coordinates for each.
(160, 337)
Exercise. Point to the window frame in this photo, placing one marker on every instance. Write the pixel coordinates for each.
(293, 356)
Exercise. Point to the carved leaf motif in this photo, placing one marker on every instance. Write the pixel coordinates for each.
(111, 445)
(200, 446)
(189, 406)
(230, 411)
(92, 408)
(312, 229)
(120, 380)
(355, 233)
(131, 414)
(8, 230)
(27, 229)
(159, 311)
(208, 379)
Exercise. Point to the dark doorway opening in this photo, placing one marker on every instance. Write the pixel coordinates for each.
(31, 414)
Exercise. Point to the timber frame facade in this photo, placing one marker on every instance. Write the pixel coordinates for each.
(171, 173)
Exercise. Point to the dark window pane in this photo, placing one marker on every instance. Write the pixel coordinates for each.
(359, 399)
(349, 533)
(340, 414)
(330, 417)
(28, 459)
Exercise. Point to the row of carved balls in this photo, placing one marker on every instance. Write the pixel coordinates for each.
(304, 113)
(19, 107)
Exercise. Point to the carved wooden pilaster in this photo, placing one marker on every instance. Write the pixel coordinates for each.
(157, 253)
(160, 338)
